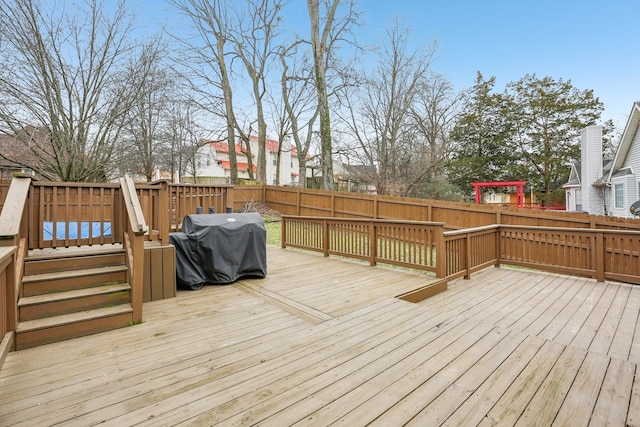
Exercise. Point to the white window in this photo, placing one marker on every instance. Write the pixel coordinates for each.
(619, 195)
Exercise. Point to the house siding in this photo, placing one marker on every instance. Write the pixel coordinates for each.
(210, 169)
(633, 161)
(591, 161)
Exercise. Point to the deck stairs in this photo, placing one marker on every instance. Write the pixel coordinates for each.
(68, 293)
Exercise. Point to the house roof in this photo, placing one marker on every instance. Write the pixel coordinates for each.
(242, 166)
(627, 137)
(272, 146)
(622, 172)
(223, 147)
(575, 175)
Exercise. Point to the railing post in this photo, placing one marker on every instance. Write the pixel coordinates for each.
(137, 249)
(600, 254)
(133, 241)
(283, 233)
(8, 323)
(467, 256)
(325, 237)
(373, 243)
(441, 256)
(498, 247)
(164, 221)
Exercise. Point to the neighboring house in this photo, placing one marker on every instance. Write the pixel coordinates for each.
(214, 167)
(606, 186)
(356, 178)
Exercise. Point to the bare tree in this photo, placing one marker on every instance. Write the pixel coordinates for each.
(300, 111)
(205, 58)
(143, 139)
(433, 116)
(252, 39)
(380, 112)
(182, 136)
(71, 72)
(326, 29)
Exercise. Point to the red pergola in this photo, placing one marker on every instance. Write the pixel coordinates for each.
(518, 184)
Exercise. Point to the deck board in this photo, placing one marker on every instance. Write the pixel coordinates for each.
(323, 341)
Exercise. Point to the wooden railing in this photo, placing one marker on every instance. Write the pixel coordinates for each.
(13, 250)
(8, 300)
(135, 228)
(600, 254)
(63, 214)
(49, 215)
(402, 243)
(470, 250)
(185, 199)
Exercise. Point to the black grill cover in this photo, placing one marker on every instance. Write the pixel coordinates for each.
(220, 248)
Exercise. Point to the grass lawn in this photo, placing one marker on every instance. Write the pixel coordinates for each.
(274, 227)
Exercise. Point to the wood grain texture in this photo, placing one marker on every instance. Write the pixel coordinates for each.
(325, 342)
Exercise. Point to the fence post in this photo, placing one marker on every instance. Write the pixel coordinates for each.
(333, 204)
(600, 254)
(231, 197)
(375, 207)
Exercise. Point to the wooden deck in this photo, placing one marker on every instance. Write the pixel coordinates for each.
(324, 342)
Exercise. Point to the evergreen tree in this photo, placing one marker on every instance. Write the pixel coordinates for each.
(546, 117)
(480, 138)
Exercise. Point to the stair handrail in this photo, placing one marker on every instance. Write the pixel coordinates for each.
(133, 244)
(13, 248)
(12, 215)
(134, 210)
(8, 301)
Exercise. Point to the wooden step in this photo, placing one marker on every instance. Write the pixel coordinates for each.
(38, 284)
(58, 328)
(41, 261)
(55, 304)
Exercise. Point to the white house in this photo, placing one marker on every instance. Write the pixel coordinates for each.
(213, 165)
(602, 187)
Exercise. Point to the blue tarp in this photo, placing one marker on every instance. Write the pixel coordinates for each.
(97, 229)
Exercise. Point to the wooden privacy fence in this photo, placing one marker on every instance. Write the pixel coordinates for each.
(306, 202)
(601, 254)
